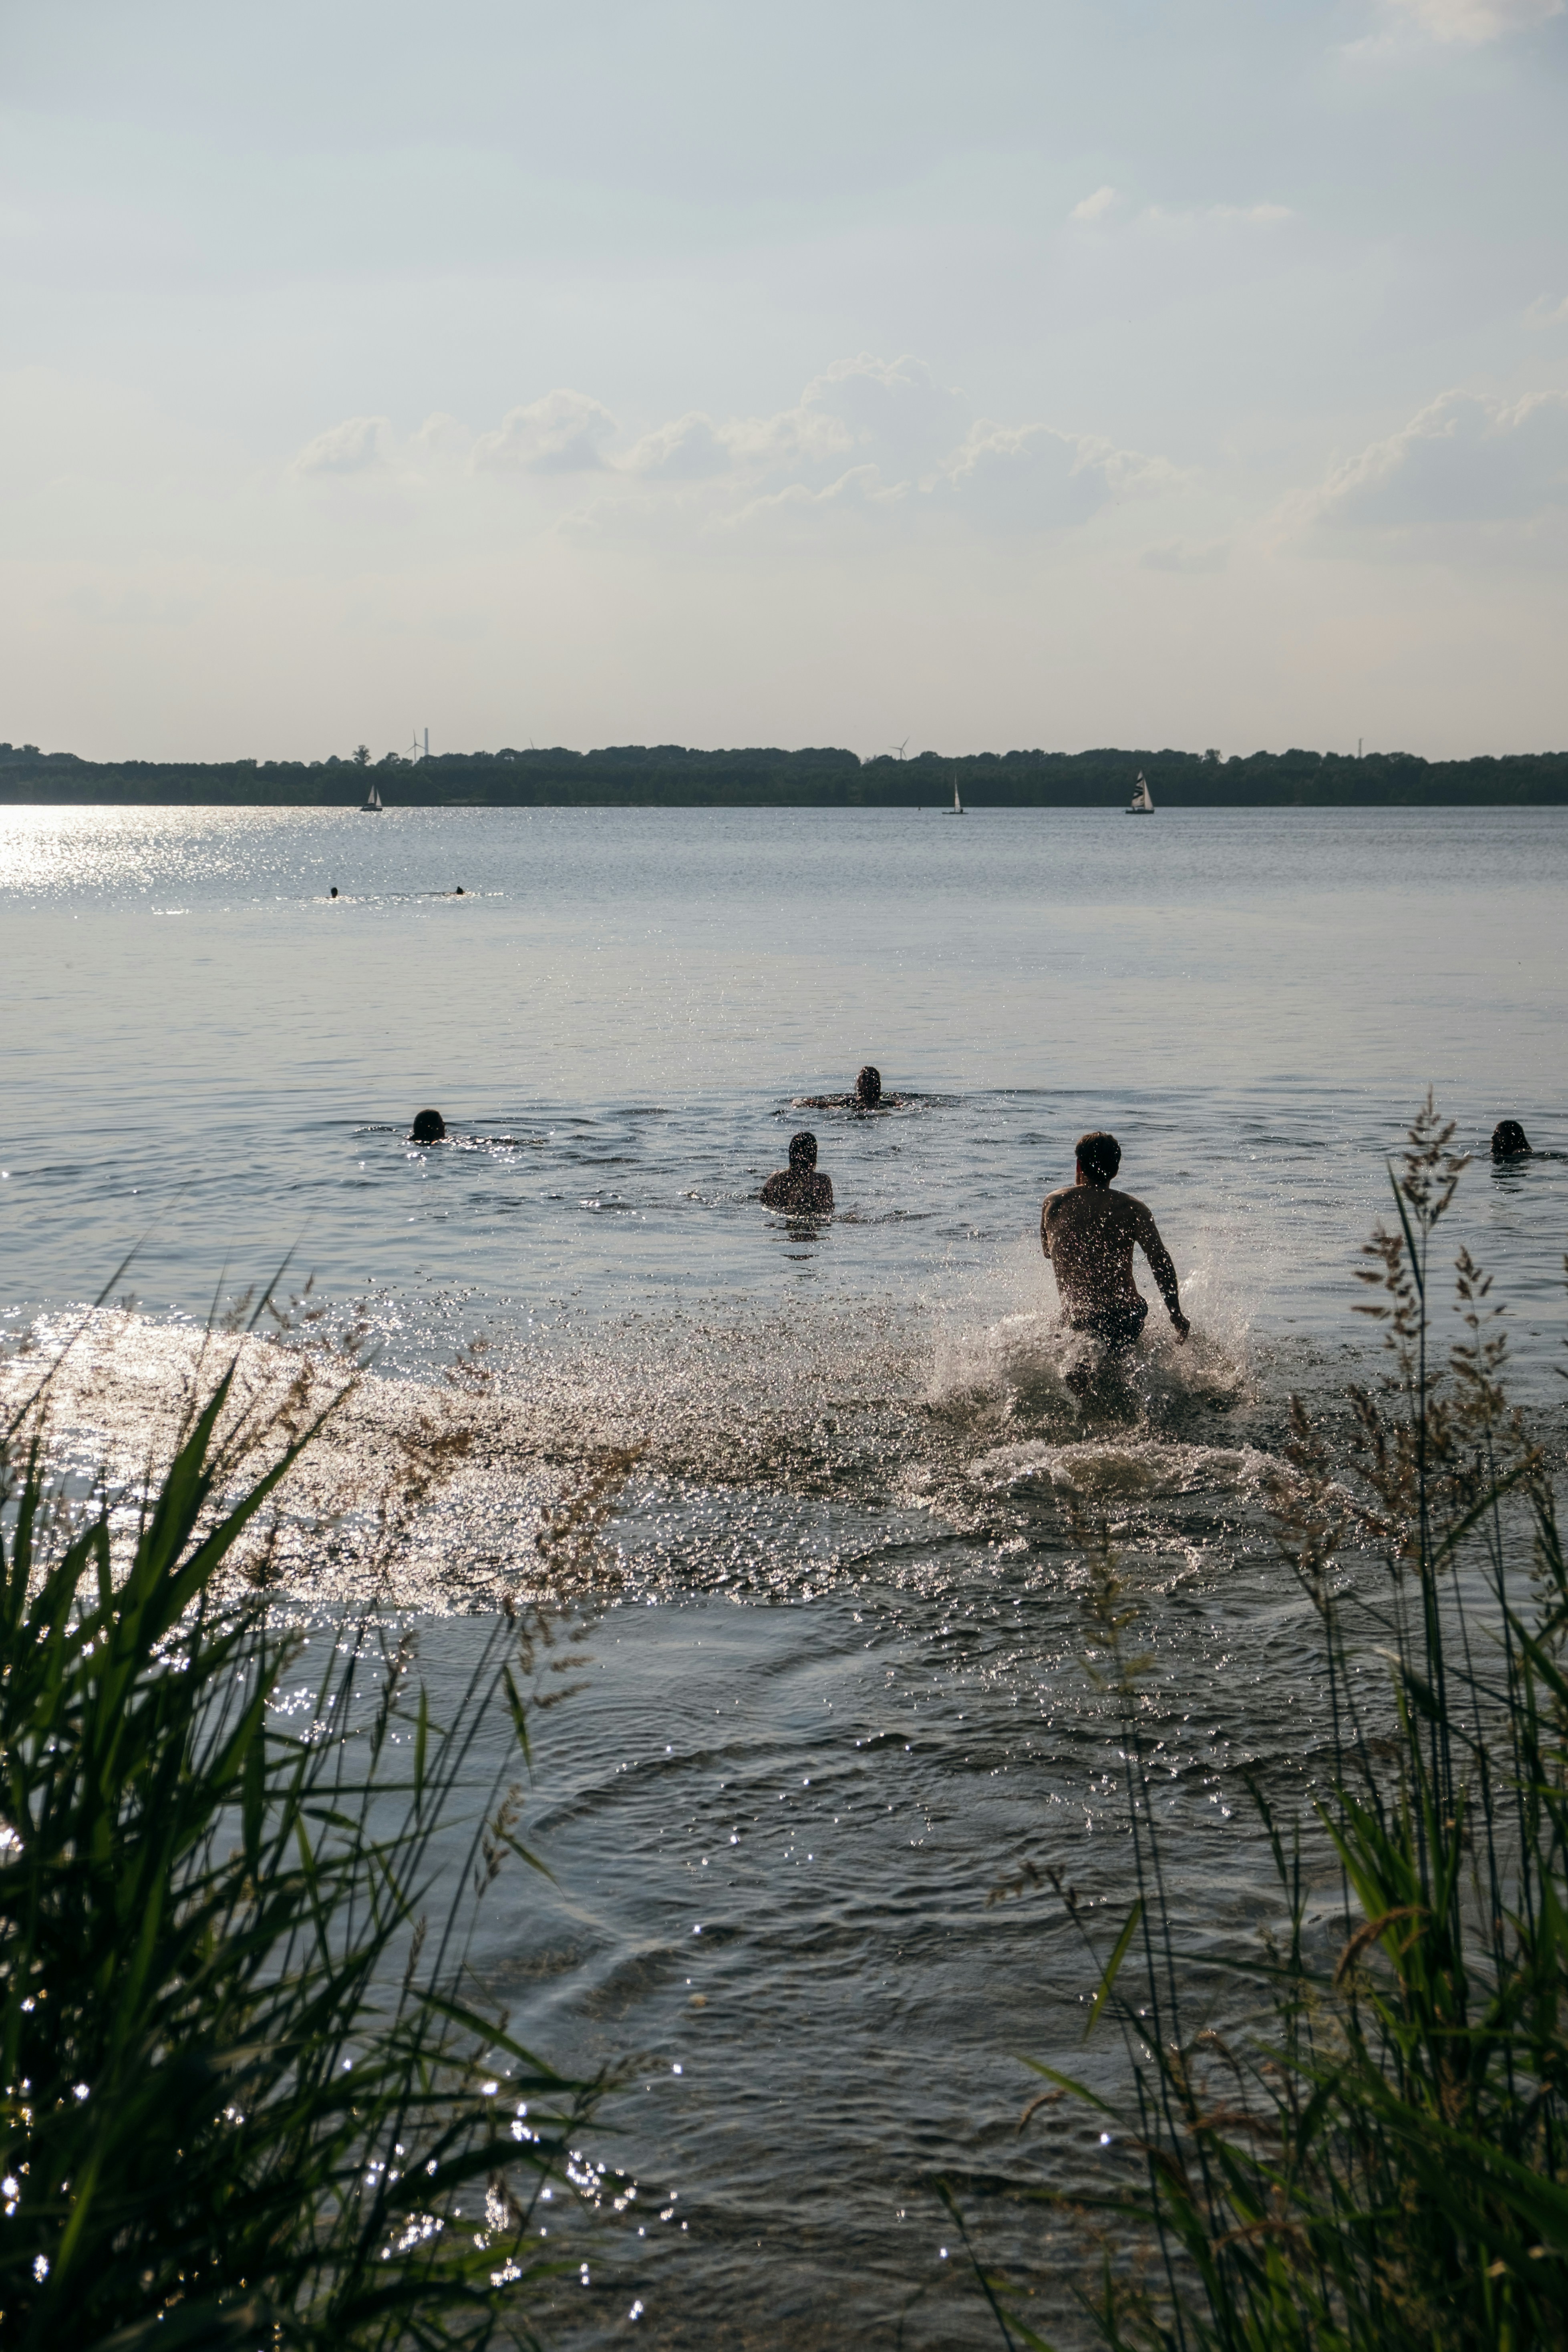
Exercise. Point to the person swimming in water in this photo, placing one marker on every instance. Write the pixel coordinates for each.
(1088, 1233)
(800, 1186)
(867, 1095)
(1509, 1141)
(428, 1127)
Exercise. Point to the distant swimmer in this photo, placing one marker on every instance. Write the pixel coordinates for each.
(1509, 1141)
(800, 1186)
(1088, 1233)
(428, 1127)
(333, 891)
(867, 1095)
(458, 891)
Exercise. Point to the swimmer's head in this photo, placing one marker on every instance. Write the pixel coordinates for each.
(1510, 1140)
(1098, 1156)
(868, 1086)
(333, 891)
(428, 1127)
(803, 1149)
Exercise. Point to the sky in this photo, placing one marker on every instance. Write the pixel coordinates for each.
(980, 376)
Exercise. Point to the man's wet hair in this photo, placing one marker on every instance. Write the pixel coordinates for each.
(868, 1086)
(1099, 1155)
(803, 1149)
(428, 1127)
(1510, 1140)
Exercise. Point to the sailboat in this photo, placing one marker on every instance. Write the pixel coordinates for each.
(1141, 803)
(957, 808)
(371, 804)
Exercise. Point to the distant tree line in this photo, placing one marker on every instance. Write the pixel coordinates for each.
(666, 775)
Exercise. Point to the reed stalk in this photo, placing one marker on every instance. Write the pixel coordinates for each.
(250, 2093)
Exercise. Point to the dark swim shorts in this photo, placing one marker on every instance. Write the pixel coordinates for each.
(1119, 1327)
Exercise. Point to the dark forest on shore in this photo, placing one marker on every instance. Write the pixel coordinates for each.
(667, 775)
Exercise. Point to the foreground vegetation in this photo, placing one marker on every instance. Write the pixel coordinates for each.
(1382, 2160)
(251, 2094)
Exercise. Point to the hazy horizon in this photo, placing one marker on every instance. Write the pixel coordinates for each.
(1068, 376)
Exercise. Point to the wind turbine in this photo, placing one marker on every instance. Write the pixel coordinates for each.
(898, 749)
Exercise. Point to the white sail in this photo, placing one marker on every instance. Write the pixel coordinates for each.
(1142, 801)
(957, 803)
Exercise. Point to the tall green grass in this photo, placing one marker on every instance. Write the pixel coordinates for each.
(1381, 2159)
(251, 2094)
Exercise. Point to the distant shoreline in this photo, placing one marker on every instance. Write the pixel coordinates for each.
(668, 776)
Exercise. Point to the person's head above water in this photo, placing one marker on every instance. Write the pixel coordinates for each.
(1510, 1140)
(428, 1127)
(868, 1086)
(803, 1149)
(1098, 1157)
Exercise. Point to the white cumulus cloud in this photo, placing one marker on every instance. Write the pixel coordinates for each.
(868, 438)
(565, 433)
(1462, 460)
(1472, 22)
(1033, 476)
(689, 449)
(355, 446)
(1094, 207)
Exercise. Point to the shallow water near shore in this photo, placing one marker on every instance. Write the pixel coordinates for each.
(836, 1694)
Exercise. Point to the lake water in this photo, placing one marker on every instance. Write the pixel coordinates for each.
(840, 1691)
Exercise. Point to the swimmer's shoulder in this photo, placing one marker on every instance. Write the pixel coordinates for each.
(1135, 1216)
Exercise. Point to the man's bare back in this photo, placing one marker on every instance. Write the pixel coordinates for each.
(1090, 1233)
(802, 1187)
(807, 1192)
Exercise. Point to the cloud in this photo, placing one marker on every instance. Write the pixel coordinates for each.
(892, 415)
(859, 491)
(1544, 313)
(357, 446)
(1033, 475)
(689, 449)
(1094, 207)
(1463, 460)
(565, 433)
(1000, 478)
(439, 436)
(1179, 555)
(868, 437)
(1472, 22)
(895, 408)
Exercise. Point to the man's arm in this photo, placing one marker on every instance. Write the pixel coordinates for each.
(1045, 1229)
(1163, 1272)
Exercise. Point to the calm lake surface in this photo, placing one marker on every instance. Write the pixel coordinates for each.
(841, 1692)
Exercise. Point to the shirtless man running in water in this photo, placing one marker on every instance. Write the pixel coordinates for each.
(1089, 1234)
